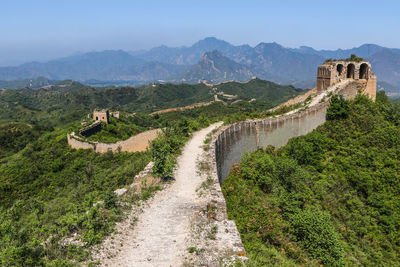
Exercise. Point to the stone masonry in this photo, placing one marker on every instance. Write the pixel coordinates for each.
(334, 71)
(137, 143)
(101, 115)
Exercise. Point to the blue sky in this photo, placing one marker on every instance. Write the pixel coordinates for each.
(44, 29)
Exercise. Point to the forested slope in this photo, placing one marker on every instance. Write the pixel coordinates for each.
(56, 202)
(70, 100)
(330, 197)
(48, 194)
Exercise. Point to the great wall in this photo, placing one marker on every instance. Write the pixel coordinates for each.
(171, 221)
(334, 77)
(137, 143)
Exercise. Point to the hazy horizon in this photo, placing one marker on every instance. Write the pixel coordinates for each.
(43, 30)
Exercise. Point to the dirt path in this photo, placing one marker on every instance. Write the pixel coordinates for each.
(158, 238)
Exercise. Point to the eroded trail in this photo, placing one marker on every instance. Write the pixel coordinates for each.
(158, 238)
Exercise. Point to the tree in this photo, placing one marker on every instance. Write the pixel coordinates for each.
(338, 108)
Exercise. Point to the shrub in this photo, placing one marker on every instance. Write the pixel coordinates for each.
(338, 108)
(315, 232)
(110, 200)
(162, 150)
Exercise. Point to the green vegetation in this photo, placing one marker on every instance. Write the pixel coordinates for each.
(329, 197)
(338, 108)
(28, 83)
(49, 192)
(260, 90)
(70, 101)
(352, 57)
(396, 100)
(228, 113)
(168, 145)
(15, 136)
(57, 202)
(123, 128)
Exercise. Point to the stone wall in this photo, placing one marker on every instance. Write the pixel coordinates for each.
(332, 72)
(229, 239)
(248, 136)
(135, 143)
(370, 88)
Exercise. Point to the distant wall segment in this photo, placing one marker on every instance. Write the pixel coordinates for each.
(135, 143)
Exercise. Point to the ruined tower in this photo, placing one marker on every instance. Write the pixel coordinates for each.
(101, 115)
(334, 71)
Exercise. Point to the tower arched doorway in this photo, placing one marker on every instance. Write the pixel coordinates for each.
(364, 71)
(351, 70)
(339, 69)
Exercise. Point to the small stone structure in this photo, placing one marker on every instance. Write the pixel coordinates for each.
(104, 115)
(101, 115)
(334, 71)
(114, 114)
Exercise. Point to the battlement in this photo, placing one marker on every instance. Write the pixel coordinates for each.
(334, 71)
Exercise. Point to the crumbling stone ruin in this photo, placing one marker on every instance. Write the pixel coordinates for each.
(101, 115)
(98, 117)
(334, 71)
(114, 114)
(104, 115)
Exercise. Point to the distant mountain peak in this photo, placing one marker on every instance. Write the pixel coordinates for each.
(214, 67)
(211, 41)
(264, 46)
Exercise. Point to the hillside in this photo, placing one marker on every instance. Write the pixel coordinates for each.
(26, 83)
(260, 90)
(57, 202)
(214, 67)
(69, 100)
(48, 195)
(287, 66)
(387, 64)
(329, 197)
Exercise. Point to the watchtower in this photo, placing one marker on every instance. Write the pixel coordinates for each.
(101, 115)
(333, 71)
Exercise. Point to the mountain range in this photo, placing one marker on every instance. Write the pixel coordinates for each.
(210, 60)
